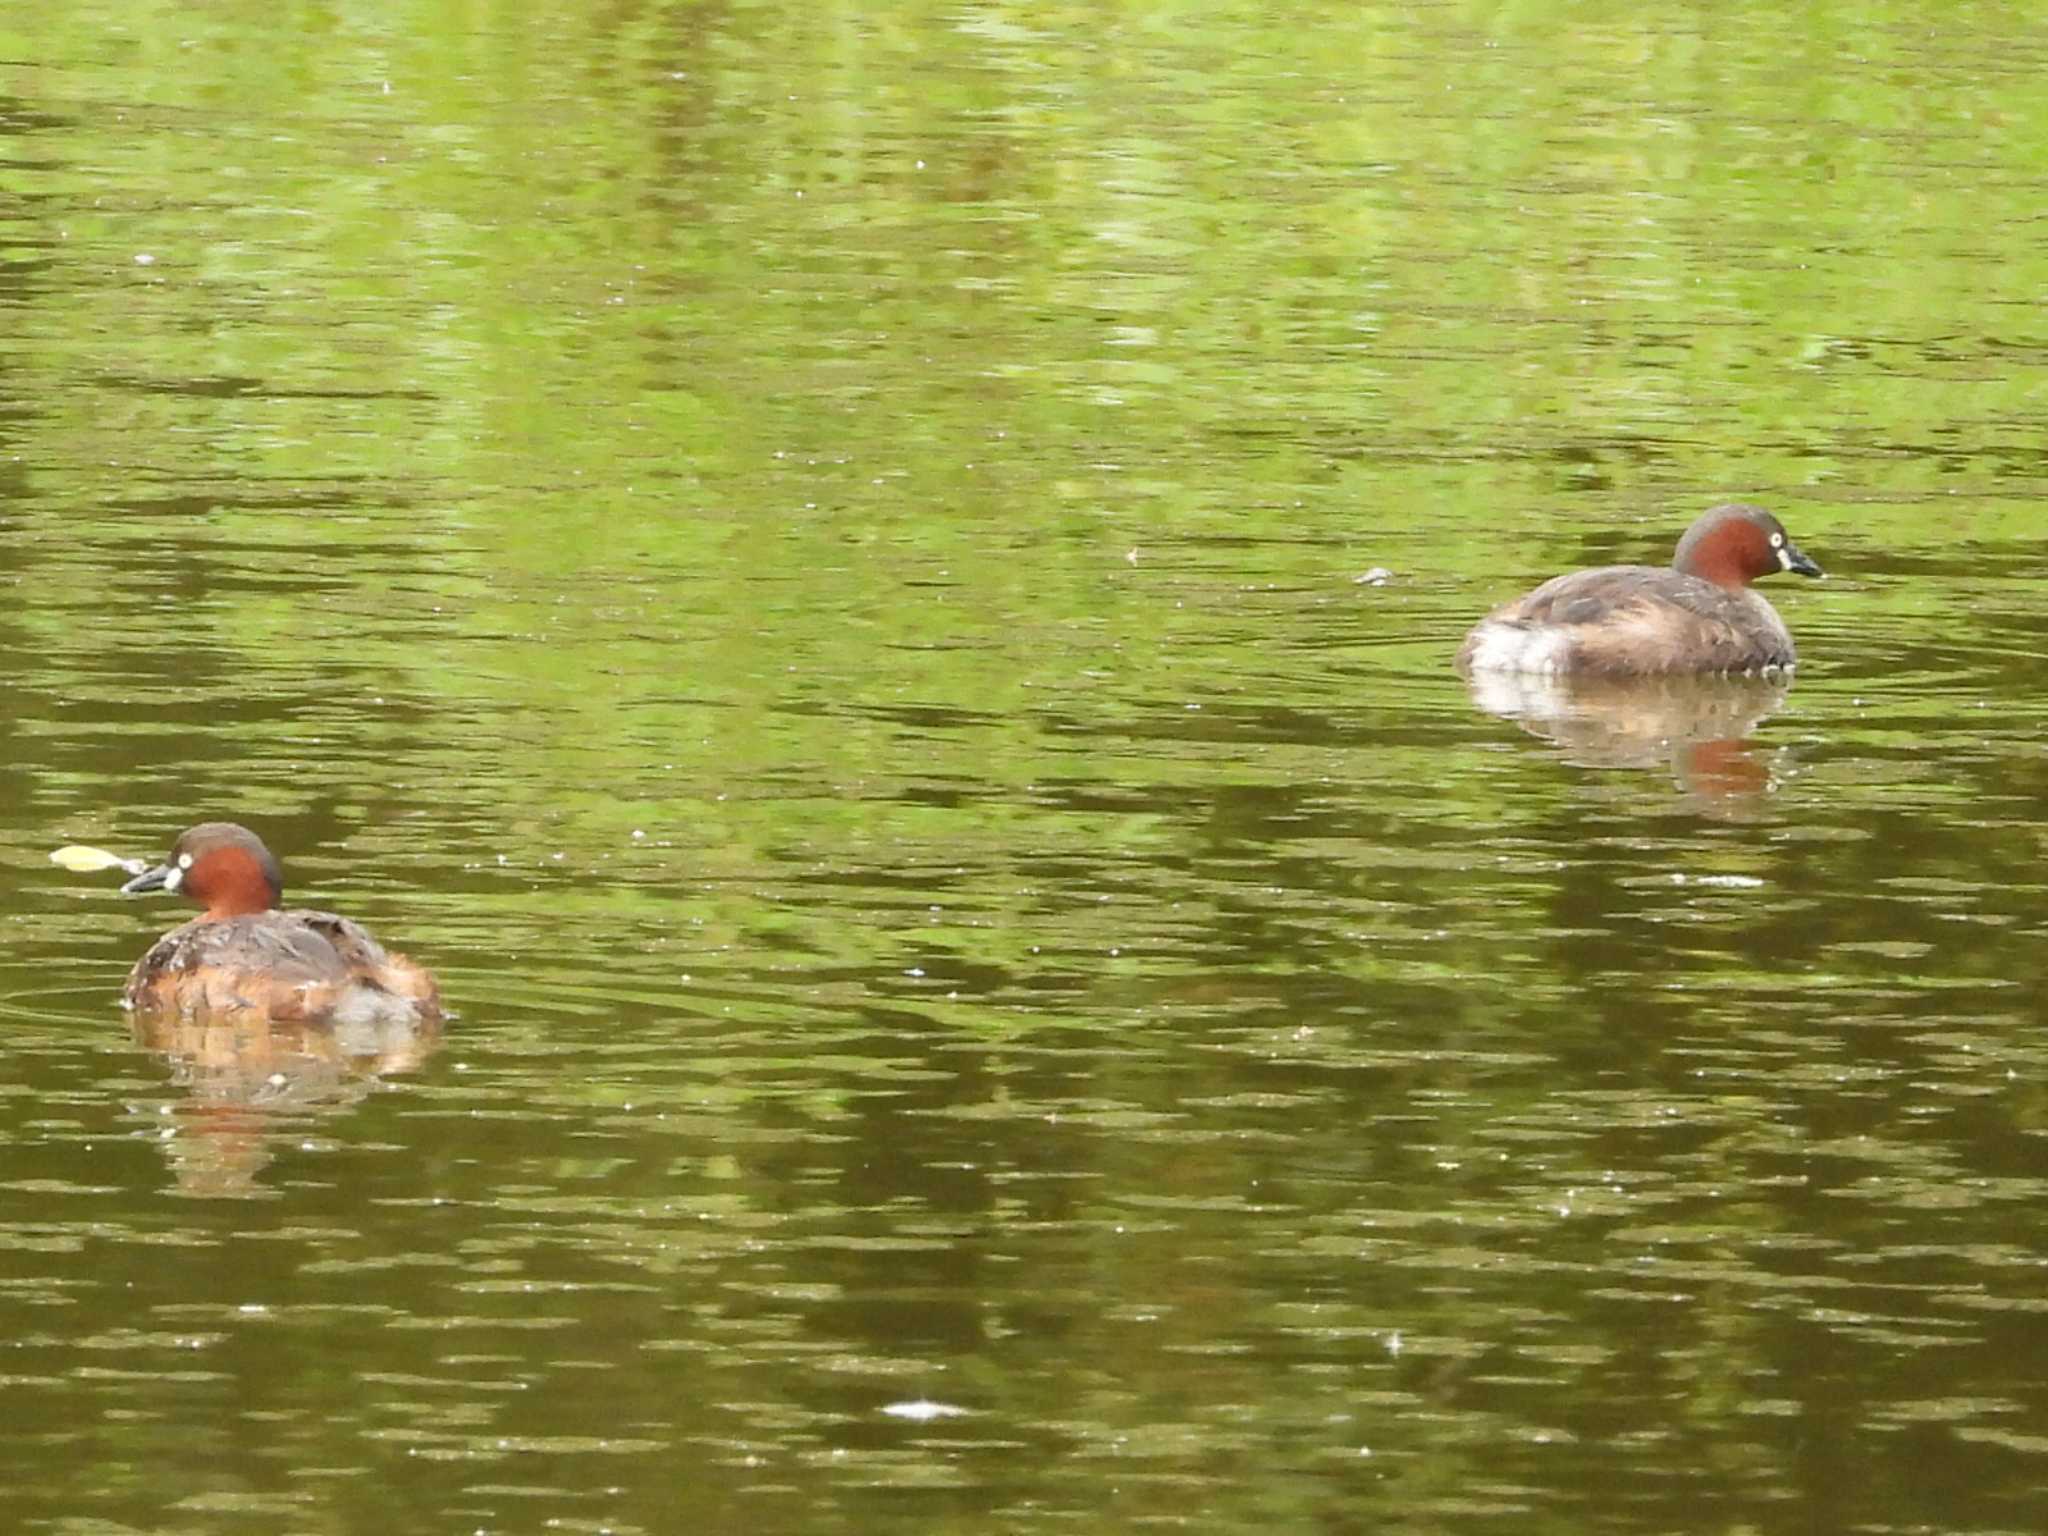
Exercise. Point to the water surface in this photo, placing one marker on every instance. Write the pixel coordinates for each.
(875, 594)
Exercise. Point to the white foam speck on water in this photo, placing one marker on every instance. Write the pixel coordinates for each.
(923, 1410)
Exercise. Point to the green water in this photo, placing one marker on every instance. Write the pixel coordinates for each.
(873, 588)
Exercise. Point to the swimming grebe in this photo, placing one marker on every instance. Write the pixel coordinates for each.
(243, 955)
(1697, 614)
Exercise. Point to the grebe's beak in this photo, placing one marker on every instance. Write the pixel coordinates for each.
(162, 878)
(1792, 559)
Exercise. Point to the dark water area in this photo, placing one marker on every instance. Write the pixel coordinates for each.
(875, 594)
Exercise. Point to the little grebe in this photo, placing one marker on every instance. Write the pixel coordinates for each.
(1697, 614)
(243, 955)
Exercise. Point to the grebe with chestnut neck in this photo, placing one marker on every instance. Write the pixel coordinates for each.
(243, 955)
(1696, 615)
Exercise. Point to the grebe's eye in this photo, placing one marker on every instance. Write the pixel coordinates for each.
(184, 861)
(1777, 541)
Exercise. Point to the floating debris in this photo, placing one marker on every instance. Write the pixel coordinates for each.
(81, 860)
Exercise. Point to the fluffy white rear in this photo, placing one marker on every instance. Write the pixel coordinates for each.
(1497, 647)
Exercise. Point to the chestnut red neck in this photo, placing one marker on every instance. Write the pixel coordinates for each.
(1733, 545)
(233, 882)
(223, 867)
